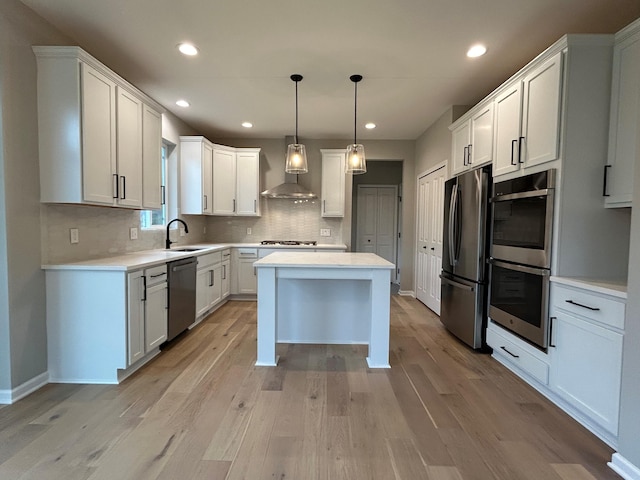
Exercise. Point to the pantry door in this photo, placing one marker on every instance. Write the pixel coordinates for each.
(430, 212)
(377, 225)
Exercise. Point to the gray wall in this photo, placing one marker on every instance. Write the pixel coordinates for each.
(629, 434)
(22, 281)
(434, 145)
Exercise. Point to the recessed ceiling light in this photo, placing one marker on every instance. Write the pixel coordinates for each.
(476, 51)
(370, 125)
(188, 49)
(182, 103)
(247, 124)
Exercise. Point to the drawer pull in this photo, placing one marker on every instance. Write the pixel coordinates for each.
(512, 354)
(593, 309)
(158, 275)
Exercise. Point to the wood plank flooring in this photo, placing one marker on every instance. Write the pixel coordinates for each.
(202, 410)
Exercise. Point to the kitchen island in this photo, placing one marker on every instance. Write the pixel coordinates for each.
(323, 297)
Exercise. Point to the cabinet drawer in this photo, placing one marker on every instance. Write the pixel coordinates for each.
(209, 259)
(517, 355)
(594, 306)
(247, 252)
(156, 275)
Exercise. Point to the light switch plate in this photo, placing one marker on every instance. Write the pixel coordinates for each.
(248, 230)
(74, 235)
(133, 233)
(325, 232)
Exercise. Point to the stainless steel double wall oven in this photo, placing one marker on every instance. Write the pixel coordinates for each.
(522, 224)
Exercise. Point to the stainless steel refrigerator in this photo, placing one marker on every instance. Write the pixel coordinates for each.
(463, 308)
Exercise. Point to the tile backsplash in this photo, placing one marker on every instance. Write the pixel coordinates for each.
(282, 219)
(103, 232)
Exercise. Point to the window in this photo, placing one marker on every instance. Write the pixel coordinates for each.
(157, 218)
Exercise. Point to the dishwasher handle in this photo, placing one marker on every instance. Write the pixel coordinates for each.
(178, 267)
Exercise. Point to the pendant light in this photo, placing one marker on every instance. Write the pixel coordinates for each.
(296, 153)
(356, 162)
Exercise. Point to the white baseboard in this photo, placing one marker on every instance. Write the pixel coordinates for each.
(407, 293)
(624, 467)
(7, 397)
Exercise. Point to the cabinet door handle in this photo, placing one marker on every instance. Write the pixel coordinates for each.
(512, 354)
(551, 344)
(469, 155)
(255, 206)
(520, 140)
(234, 205)
(324, 206)
(604, 186)
(116, 184)
(513, 142)
(593, 309)
(163, 195)
(211, 278)
(464, 156)
(124, 187)
(224, 272)
(144, 288)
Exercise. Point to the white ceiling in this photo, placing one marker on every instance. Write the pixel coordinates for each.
(410, 52)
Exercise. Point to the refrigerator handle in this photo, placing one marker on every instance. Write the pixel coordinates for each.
(452, 203)
(458, 227)
(453, 283)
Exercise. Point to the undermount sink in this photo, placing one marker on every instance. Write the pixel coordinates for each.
(187, 249)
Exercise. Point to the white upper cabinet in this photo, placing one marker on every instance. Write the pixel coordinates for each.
(152, 195)
(91, 132)
(224, 182)
(129, 150)
(247, 181)
(624, 118)
(196, 161)
(472, 140)
(333, 182)
(527, 126)
(218, 180)
(97, 145)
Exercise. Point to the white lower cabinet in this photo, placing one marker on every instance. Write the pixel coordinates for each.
(581, 371)
(245, 279)
(210, 284)
(586, 352)
(147, 311)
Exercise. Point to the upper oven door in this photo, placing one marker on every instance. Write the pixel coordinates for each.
(522, 225)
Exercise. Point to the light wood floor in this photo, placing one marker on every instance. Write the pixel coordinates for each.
(203, 410)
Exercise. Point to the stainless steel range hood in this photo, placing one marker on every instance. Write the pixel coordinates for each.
(289, 189)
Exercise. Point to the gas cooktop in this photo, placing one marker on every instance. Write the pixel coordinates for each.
(288, 242)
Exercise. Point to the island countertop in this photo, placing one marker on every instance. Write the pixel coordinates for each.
(324, 260)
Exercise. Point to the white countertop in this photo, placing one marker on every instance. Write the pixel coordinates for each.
(148, 258)
(324, 259)
(608, 287)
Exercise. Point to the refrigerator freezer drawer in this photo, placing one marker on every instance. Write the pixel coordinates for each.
(461, 309)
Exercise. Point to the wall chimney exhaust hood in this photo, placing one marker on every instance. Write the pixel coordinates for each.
(289, 189)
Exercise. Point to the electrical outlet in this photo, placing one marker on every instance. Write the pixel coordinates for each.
(182, 231)
(74, 235)
(325, 232)
(133, 233)
(248, 230)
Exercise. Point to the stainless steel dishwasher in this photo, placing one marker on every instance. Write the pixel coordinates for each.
(182, 296)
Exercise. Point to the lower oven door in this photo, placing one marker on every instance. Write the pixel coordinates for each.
(520, 300)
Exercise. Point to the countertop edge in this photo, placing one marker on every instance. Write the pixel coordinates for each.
(606, 287)
(131, 261)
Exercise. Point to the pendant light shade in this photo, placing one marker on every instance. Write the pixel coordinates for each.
(356, 163)
(296, 152)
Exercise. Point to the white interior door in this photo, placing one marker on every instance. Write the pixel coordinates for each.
(430, 211)
(377, 222)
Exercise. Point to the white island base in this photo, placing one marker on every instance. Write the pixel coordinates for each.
(327, 298)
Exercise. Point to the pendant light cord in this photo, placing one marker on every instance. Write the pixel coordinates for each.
(296, 112)
(355, 113)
